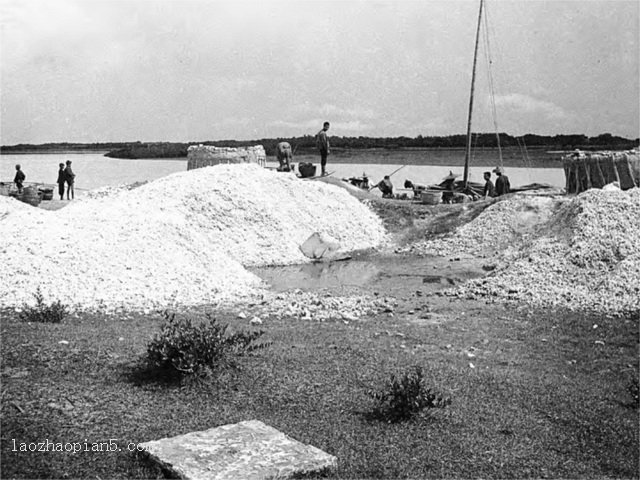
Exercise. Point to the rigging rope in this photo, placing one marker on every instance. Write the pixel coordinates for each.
(525, 155)
(487, 51)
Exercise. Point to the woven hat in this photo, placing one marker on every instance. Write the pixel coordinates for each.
(498, 170)
(451, 176)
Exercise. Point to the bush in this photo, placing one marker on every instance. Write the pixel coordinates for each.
(185, 347)
(43, 313)
(404, 396)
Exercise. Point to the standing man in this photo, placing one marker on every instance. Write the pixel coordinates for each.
(502, 182)
(322, 141)
(19, 178)
(70, 177)
(61, 179)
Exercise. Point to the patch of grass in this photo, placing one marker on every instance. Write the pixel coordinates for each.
(43, 312)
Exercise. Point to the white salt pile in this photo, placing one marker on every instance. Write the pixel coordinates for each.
(182, 240)
(584, 256)
(495, 229)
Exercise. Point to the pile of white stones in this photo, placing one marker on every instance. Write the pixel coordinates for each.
(183, 240)
(580, 253)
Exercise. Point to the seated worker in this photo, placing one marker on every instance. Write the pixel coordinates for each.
(502, 182)
(416, 187)
(489, 190)
(385, 186)
(284, 156)
(360, 182)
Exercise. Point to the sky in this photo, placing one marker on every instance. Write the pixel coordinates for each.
(197, 70)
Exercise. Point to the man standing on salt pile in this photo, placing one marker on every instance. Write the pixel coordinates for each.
(70, 178)
(322, 141)
(502, 182)
(19, 178)
(61, 179)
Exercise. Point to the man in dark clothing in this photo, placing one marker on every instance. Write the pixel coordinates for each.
(322, 142)
(61, 179)
(489, 189)
(502, 182)
(69, 177)
(385, 186)
(19, 178)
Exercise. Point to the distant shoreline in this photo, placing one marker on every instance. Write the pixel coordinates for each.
(46, 151)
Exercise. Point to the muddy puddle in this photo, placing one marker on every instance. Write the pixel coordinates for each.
(390, 275)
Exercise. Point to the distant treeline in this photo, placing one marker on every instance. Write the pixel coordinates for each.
(307, 143)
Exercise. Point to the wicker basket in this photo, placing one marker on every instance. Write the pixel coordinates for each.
(47, 193)
(431, 197)
(306, 169)
(31, 195)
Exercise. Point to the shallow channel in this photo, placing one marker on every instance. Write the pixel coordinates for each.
(389, 274)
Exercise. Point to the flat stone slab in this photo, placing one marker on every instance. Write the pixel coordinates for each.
(245, 450)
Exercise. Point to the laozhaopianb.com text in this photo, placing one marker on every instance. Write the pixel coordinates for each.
(110, 445)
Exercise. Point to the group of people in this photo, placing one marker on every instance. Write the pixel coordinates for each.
(502, 186)
(284, 153)
(65, 176)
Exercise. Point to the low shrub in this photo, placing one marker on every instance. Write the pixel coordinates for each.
(404, 396)
(185, 347)
(43, 312)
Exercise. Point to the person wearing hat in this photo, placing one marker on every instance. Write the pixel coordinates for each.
(69, 177)
(19, 178)
(449, 181)
(502, 182)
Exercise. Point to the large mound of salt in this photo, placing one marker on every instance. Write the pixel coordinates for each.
(179, 241)
(585, 257)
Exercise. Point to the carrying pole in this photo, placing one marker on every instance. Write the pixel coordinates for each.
(396, 170)
(467, 155)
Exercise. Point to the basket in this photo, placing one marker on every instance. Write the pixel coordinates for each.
(431, 197)
(306, 169)
(31, 196)
(47, 193)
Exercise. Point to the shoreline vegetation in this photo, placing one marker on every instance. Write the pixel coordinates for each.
(340, 145)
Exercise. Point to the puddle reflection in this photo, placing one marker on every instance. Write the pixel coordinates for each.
(312, 276)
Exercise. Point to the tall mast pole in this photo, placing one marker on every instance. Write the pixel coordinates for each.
(467, 155)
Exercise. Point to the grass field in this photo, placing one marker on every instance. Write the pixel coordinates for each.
(547, 397)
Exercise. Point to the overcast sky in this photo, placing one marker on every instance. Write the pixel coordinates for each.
(98, 71)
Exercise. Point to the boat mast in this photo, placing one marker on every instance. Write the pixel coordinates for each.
(473, 81)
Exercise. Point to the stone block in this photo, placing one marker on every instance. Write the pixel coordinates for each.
(245, 450)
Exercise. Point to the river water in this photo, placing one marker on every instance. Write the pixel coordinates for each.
(94, 170)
